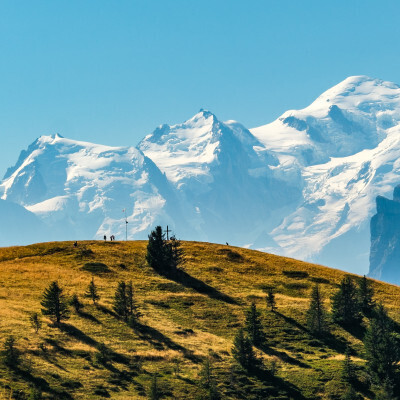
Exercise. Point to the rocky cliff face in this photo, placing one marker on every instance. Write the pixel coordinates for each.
(385, 239)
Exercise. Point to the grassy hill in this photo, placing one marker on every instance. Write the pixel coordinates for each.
(183, 323)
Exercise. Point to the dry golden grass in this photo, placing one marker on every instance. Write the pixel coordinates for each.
(185, 326)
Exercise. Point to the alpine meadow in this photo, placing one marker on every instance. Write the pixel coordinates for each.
(203, 328)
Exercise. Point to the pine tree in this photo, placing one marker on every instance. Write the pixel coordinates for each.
(175, 253)
(133, 312)
(345, 304)
(121, 301)
(385, 390)
(124, 303)
(253, 326)
(92, 292)
(207, 381)
(154, 393)
(316, 315)
(10, 353)
(348, 374)
(381, 347)
(35, 321)
(35, 394)
(156, 250)
(75, 302)
(162, 255)
(349, 394)
(54, 303)
(271, 303)
(242, 351)
(365, 296)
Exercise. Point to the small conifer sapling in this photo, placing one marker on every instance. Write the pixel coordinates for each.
(253, 326)
(243, 352)
(154, 393)
(271, 302)
(35, 321)
(348, 373)
(316, 315)
(92, 292)
(207, 381)
(76, 303)
(11, 354)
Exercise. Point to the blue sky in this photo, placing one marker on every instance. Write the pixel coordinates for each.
(111, 71)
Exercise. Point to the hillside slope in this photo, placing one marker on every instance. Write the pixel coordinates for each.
(182, 324)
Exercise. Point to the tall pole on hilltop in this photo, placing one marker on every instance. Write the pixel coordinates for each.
(126, 225)
(168, 231)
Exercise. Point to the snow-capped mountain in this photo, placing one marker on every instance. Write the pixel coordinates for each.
(346, 148)
(222, 174)
(303, 185)
(80, 189)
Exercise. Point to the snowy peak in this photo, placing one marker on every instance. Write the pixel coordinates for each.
(186, 149)
(84, 187)
(360, 93)
(51, 164)
(354, 115)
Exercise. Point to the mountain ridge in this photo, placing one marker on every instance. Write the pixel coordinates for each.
(302, 186)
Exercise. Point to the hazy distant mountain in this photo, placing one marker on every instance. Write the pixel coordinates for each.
(18, 225)
(302, 186)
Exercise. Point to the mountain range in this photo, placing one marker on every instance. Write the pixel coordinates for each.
(303, 186)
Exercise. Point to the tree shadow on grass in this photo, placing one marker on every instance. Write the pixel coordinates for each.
(159, 340)
(57, 347)
(283, 356)
(89, 317)
(268, 386)
(335, 343)
(121, 379)
(328, 339)
(188, 281)
(41, 384)
(106, 310)
(82, 337)
(280, 384)
(291, 321)
(77, 334)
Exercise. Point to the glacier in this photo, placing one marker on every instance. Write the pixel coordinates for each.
(303, 186)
